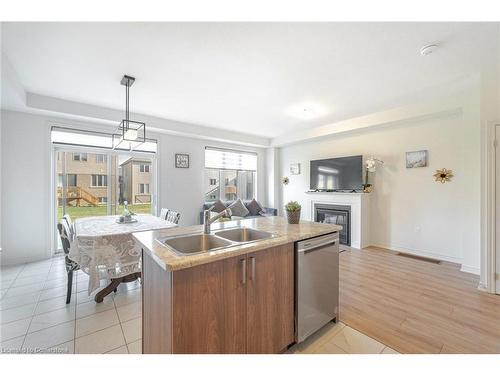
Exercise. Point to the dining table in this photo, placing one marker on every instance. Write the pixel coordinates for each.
(105, 249)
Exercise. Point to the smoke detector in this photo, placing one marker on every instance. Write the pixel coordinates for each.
(428, 49)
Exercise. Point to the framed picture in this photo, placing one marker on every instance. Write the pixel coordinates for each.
(416, 159)
(181, 161)
(295, 168)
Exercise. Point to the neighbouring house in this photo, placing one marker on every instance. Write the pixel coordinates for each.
(135, 184)
(237, 184)
(86, 178)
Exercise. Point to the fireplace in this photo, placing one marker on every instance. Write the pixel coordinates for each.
(335, 214)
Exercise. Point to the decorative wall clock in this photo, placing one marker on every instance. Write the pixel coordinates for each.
(443, 175)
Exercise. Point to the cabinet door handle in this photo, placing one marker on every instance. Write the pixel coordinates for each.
(252, 259)
(243, 271)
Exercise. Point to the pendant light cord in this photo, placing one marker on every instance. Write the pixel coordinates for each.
(127, 97)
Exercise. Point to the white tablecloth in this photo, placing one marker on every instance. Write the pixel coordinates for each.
(105, 249)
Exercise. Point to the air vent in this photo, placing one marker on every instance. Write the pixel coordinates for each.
(416, 257)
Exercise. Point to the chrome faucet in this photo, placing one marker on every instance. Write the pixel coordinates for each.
(207, 220)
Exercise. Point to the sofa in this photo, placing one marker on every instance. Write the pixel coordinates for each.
(267, 211)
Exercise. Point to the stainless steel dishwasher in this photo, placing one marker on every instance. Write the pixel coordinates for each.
(317, 283)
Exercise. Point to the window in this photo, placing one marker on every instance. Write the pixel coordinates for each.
(101, 158)
(144, 167)
(99, 180)
(71, 179)
(143, 188)
(79, 156)
(229, 174)
(103, 200)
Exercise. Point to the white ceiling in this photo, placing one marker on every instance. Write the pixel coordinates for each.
(246, 77)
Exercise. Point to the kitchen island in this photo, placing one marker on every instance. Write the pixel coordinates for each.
(237, 298)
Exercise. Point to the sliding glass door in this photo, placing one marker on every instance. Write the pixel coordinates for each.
(99, 183)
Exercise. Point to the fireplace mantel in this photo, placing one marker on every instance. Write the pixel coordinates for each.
(360, 212)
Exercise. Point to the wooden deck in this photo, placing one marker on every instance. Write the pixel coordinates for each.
(77, 194)
(414, 306)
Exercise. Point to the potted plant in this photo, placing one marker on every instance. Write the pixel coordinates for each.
(367, 187)
(370, 166)
(292, 209)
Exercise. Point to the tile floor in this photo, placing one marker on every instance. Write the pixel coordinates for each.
(340, 339)
(35, 318)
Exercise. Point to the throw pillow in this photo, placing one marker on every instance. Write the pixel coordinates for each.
(218, 206)
(254, 208)
(238, 208)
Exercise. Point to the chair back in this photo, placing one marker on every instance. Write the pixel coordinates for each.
(173, 217)
(164, 213)
(70, 224)
(64, 233)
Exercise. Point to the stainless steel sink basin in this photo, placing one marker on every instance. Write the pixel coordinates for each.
(195, 243)
(244, 234)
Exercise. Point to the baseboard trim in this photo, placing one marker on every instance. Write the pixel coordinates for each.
(468, 269)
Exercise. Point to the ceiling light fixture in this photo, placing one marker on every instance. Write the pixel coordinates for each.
(130, 133)
(307, 111)
(428, 49)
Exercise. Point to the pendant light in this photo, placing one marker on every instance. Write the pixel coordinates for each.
(130, 134)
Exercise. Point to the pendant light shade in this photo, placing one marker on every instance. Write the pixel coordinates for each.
(130, 134)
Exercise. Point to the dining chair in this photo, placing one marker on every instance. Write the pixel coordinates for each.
(164, 213)
(173, 217)
(70, 224)
(64, 233)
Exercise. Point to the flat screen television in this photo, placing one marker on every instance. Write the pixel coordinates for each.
(337, 174)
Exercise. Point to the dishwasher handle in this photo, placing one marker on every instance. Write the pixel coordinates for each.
(316, 243)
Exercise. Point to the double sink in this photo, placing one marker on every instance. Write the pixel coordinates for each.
(198, 243)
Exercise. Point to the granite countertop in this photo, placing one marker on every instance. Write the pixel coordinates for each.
(285, 233)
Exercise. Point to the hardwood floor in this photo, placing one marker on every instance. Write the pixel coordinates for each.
(414, 306)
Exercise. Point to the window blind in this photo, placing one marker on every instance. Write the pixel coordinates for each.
(219, 158)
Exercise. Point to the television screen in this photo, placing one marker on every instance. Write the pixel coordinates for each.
(337, 174)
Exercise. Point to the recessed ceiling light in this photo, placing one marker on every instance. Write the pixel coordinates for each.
(428, 49)
(307, 111)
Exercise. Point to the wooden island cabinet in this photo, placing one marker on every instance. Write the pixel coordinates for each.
(242, 304)
(239, 298)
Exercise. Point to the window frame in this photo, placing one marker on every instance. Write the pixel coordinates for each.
(222, 179)
(144, 168)
(80, 159)
(68, 179)
(101, 179)
(144, 190)
(104, 158)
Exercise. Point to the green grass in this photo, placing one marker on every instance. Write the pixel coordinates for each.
(79, 212)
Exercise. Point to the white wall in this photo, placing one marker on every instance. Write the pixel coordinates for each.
(26, 229)
(25, 192)
(409, 210)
